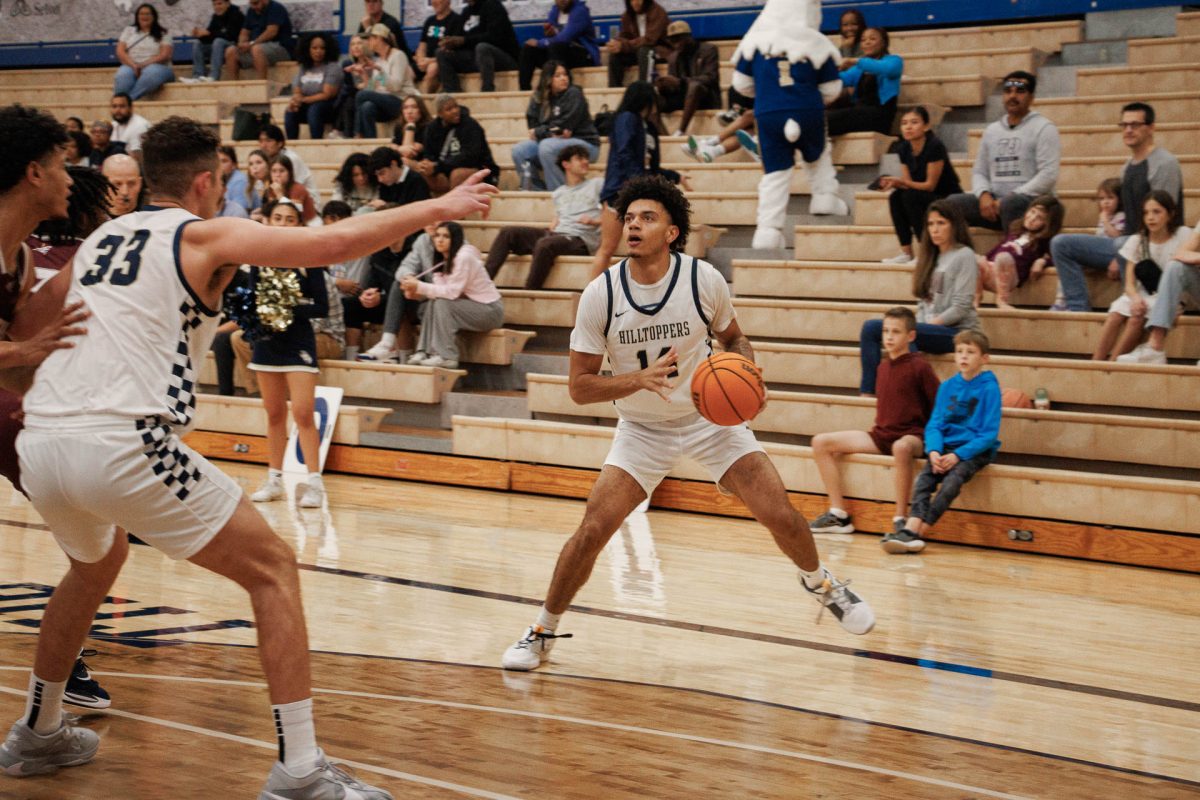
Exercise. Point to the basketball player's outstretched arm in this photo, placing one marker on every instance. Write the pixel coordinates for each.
(587, 385)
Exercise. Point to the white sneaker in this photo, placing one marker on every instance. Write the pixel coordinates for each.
(327, 781)
(189, 80)
(313, 497)
(438, 361)
(851, 610)
(531, 650)
(417, 358)
(380, 355)
(272, 489)
(901, 258)
(26, 753)
(1143, 354)
(206, 79)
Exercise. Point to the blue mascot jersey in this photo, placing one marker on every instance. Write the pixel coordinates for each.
(780, 85)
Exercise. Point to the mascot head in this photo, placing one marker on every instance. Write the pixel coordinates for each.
(789, 28)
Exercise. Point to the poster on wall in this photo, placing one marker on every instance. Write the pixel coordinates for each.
(31, 21)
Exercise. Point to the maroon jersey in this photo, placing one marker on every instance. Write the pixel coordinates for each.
(12, 287)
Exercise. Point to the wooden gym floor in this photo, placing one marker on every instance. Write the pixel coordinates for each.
(697, 667)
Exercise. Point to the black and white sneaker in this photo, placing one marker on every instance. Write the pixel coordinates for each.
(82, 689)
(830, 522)
(902, 541)
(854, 614)
(531, 650)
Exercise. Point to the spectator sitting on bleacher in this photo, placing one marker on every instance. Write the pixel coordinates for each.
(693, 79)
(210, 43)
(235, 180)
(375, 15)
(125, 174)
(315, 87)
(456, 146)
(272, 142)
(74, 124)
(441, 23)
(265, 39)
(488, 43)
(735, 135)
(1017, 161)
(398, 184)
(79, 149)
(283, 185)
(330, 331)
(355, 184)
(1147, 253)
(574, 231)
(1179, 285)
(102, 144)
(944, 284)
(568, 37)
(402, 313)
(907, 390)
(390, 79)
(1149, 167)
(642, 41)
(1024, 253)
(128, 127)
(461, 297)
(258, 175)
(227, 207)
(851, 26)
(926, 174)
(409, 135)
(873, 82)
(558, 118)
(354, 70)
(144, 51)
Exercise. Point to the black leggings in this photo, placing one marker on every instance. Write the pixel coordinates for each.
(908, 207)
(860, 118)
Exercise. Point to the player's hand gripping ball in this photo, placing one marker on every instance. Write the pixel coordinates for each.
(728, 389)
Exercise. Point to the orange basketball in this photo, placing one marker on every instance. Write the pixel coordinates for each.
(1015, 398)
(728, 389)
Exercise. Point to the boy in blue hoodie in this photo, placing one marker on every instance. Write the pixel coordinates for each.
(960, 439)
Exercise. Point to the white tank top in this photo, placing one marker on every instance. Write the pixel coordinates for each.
(146, 334)
(636, 325)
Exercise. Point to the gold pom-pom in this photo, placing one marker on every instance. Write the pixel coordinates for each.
(276, 295)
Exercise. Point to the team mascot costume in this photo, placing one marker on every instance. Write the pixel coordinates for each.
(791, 69)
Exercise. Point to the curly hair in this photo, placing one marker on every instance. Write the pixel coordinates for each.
(86, 210)
(174, 151)
(658, 189)
(29, 135)
(345, 176)
(304, 56)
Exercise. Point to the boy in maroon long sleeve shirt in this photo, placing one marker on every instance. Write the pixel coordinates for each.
(906, 389)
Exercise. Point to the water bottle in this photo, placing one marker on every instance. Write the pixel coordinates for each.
(527, 177)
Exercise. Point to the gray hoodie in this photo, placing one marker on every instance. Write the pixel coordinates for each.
(1022, 159)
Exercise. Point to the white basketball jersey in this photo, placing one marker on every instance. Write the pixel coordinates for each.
(146, 334)
(636, 325)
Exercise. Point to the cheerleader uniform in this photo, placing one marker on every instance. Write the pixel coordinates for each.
(294, 349)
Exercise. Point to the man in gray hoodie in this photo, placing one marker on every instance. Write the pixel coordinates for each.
(1017, 161)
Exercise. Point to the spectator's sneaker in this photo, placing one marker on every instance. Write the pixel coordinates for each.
(1143, 354)
(749, 142)
(438, 361)
(326, 782)
(380, 355)
(82, 689)
(901, 258)
(206, 79)
(189, 80)
(830, 522)
(531, 649)
(272, 489)
(898, 524)
(1058, 305)
(903, 541)
(851, 610)
(729, 115)
(692, 148)
(417, 358)
(26, 753)
(313, 497)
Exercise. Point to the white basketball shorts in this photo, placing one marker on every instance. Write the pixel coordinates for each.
(648, 451)
(86, 475)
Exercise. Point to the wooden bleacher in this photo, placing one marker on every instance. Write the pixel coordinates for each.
(245, 415)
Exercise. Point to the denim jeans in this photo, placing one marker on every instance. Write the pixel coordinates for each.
(201, 53)
(929, 509)
(1012, 207)
(372, 107)
(930, 339)
(315, 114)
(151, 77)
(546, 153)
(1075, 252)
(1179, 283)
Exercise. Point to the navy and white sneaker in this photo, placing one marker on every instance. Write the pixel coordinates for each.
(82, 689)
(902, 541)
(830, 522)
(854, 614)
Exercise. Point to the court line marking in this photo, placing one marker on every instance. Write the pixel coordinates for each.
(231, 737)
(614, 726)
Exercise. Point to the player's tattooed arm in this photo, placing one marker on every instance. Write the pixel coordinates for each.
(587, 385)
(734, 341)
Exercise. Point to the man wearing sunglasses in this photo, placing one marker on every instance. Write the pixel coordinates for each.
(1149, 167)
(1017, 161)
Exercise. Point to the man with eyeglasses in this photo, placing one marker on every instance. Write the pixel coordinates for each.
(1149, 167)
(1017, 161)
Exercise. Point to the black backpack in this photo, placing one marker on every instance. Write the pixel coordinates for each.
(604, 120)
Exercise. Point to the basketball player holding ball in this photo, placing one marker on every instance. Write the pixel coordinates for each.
(654, 314)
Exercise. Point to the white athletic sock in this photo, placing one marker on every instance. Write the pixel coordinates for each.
(275, 475)
(840, 513)
(814, 579)
(314, 480)
(297, 736)
(43, 705)
(714, 150)
(548, 621)
(388, 341)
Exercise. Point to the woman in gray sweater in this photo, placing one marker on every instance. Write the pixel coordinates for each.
(944, 285)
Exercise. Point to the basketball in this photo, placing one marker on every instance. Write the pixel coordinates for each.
(728, 389)
(1015, 398)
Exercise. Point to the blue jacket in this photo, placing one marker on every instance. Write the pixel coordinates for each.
(627, 145)
(966, 417)
(887, 72)
(579, 29)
